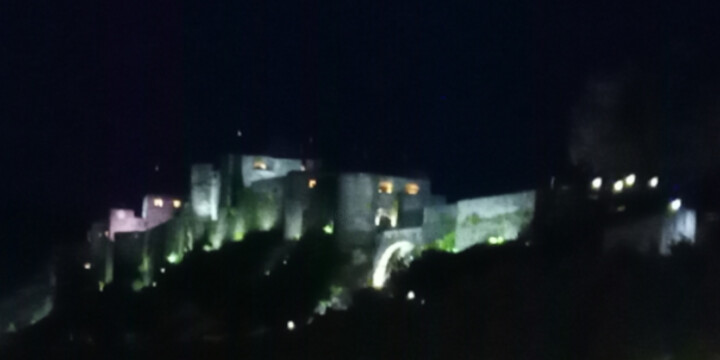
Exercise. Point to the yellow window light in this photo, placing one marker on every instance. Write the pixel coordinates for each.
(385, 187)
(412, 189)
(312, 183)
(158, 202)
(177, 204)
(259, 165)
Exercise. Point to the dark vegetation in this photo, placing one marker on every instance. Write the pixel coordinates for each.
(505, 302)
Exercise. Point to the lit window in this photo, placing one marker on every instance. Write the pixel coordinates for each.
(596, 183)
(618, 186)
(412, 189)
(312, 183)
(177, 204)
(385, 187)
(653, 182)
(630, 180)
(259, 165)
(158, 202)
(675, 205)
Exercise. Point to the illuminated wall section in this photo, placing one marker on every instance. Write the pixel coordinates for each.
(439, 221)
(158, 209)
(501, 216)
(679, 226)
(299, 187)
(257, 167)
(268, 203)
(367, 202)
(124, 220)
(205, 191)
(393, 245)
(655, 234)
(355, 216)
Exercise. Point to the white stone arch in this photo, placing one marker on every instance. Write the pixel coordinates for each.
(397, 249)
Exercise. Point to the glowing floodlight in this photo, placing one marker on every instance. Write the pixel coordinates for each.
(630, 180)
(329, 228)
(380, 274)
(596, 183)
(411, 295)
(177, 204)
(496, 240)
(653, 182)
(290, 325)
(173, 258)
(675, 205)
(618, 186)
(87, 266)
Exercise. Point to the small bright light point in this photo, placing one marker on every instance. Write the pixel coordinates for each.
(284, 262)
(621, 208)
(121, 214)
(410, 295)
(653, 183)
(302, 168)
(101, 286)
(162, 270)
(675, 205)
(267, 272)
(291, 325)
(158, 202)
(87, 266)
(312, 183)
(177, 204)
(154, 284)
(596, 183)
(157, 168)
(618, 186)
(172, 258)
(630, 180)
(496, 240)
(328, 229)
(239, 133)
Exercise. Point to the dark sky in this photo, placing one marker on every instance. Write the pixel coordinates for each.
(94, 94)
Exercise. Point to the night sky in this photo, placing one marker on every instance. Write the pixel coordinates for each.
(475, 94)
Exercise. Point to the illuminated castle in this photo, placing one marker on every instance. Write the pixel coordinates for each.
(374, 217)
